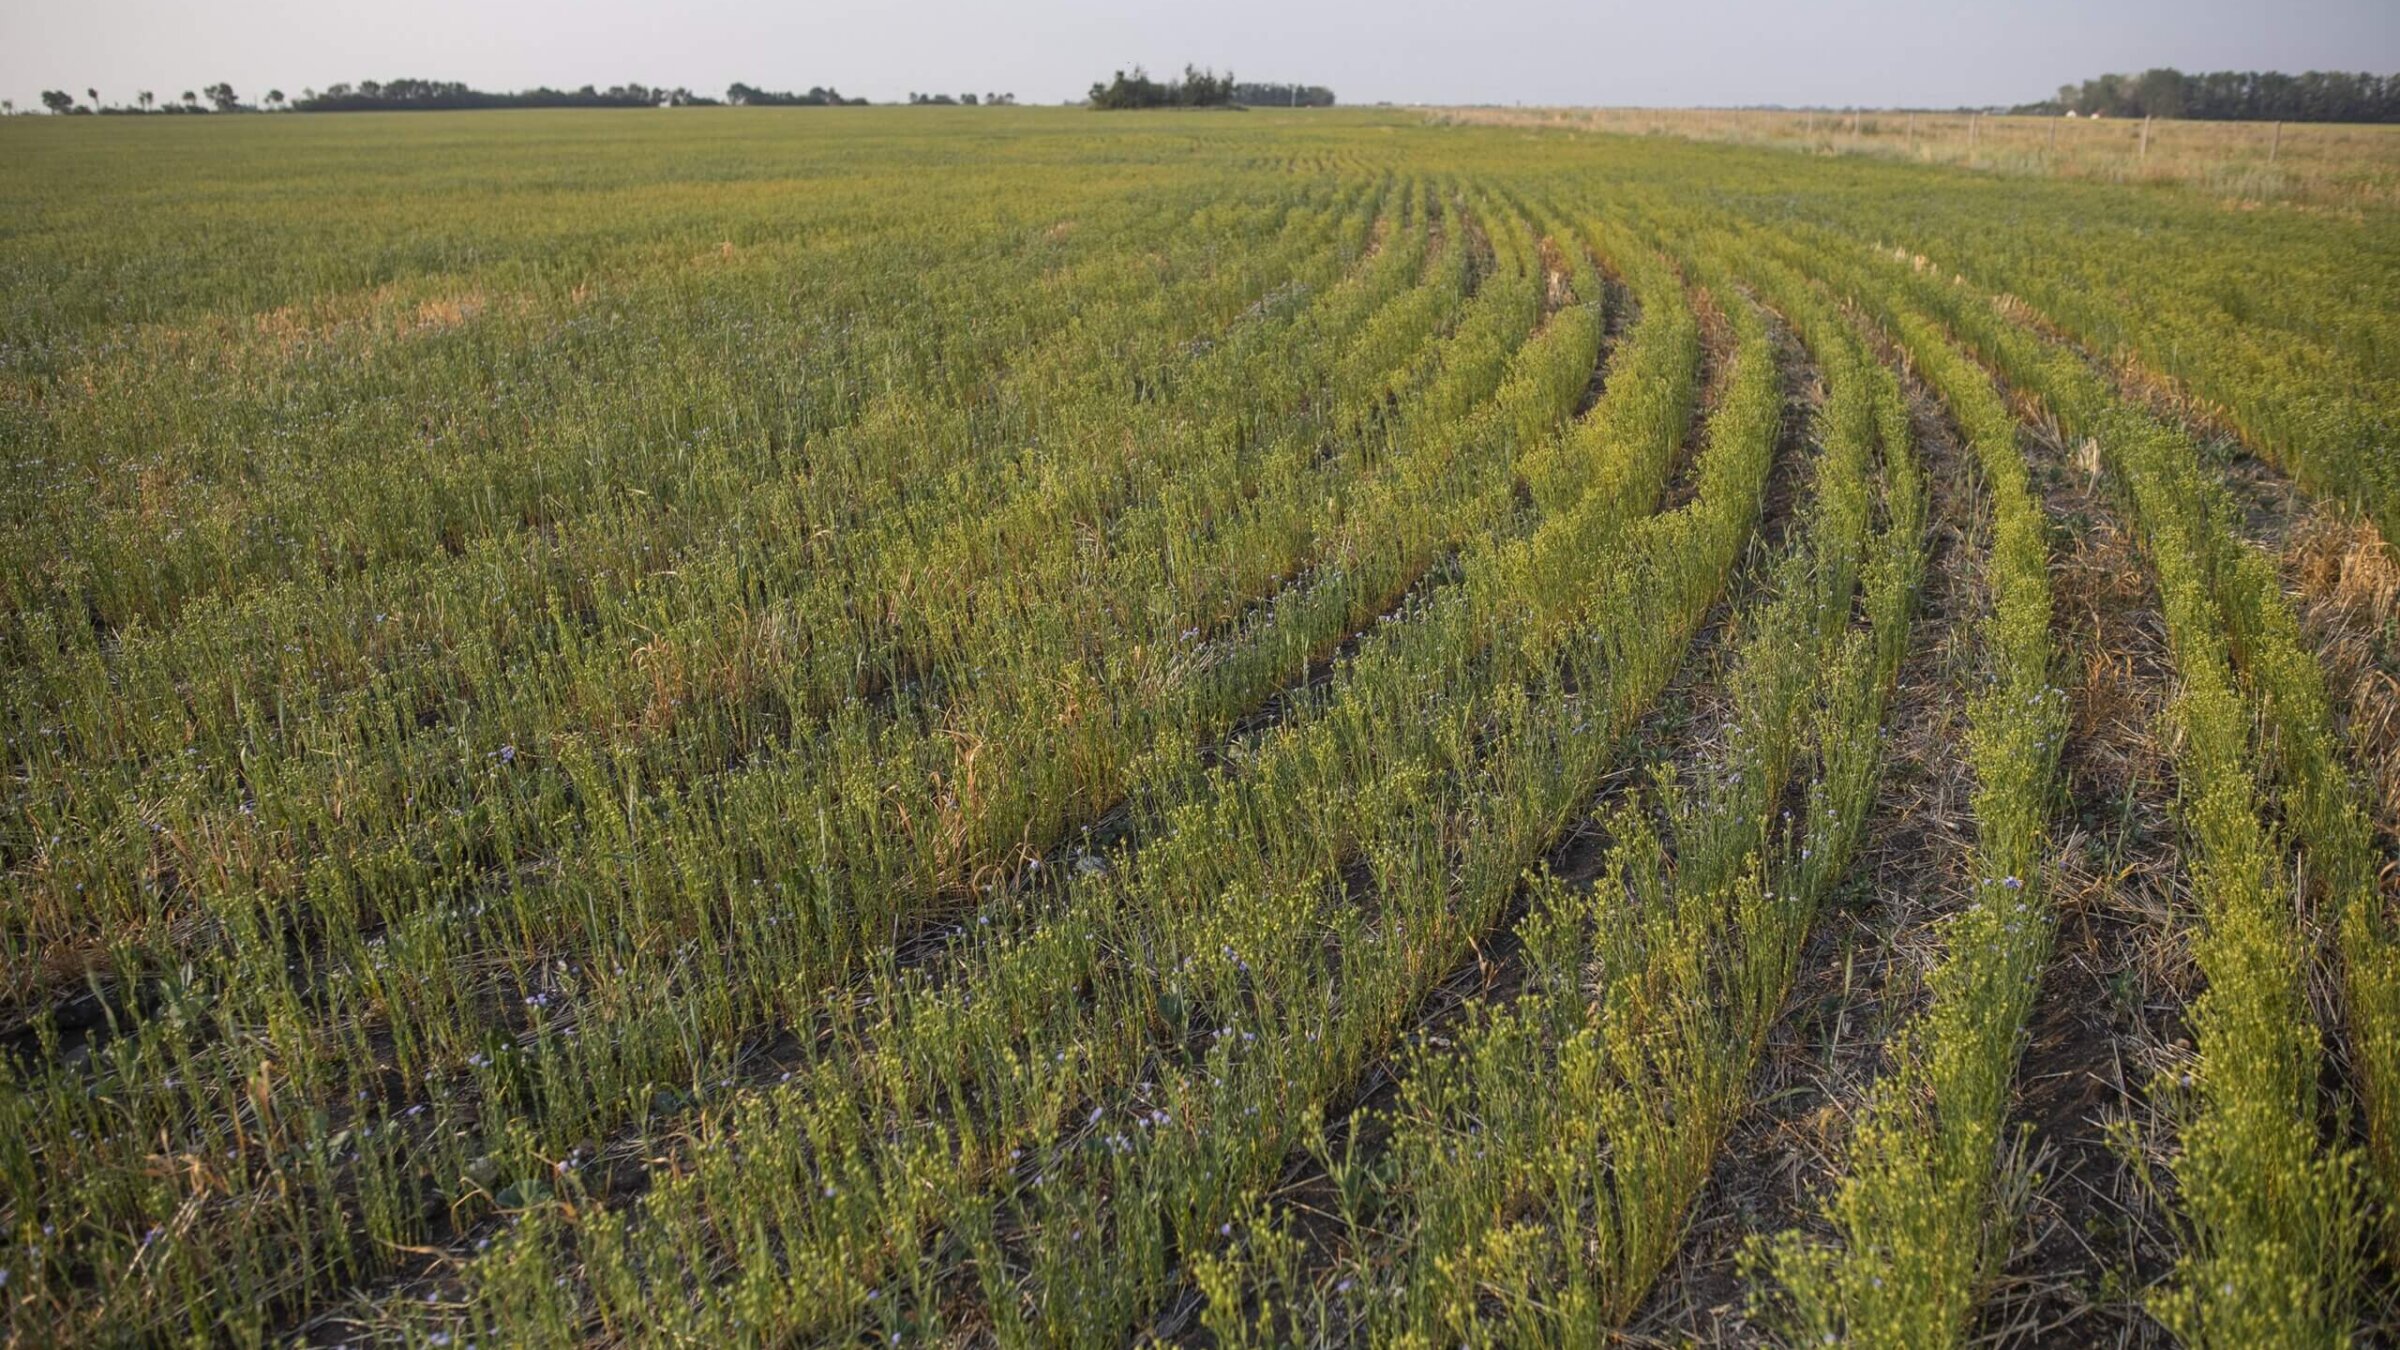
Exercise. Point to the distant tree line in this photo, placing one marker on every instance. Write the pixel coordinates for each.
(2233, 95)
(746, 96)
(1283, 95)
(1197, 89)
(428, 95)
(431, 95)
(219, 98)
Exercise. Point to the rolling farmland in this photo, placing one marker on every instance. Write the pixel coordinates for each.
(1020, 727)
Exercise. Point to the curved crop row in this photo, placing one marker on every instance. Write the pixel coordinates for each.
(373, 996)
(1539, 1169)
(2274, 1210)
(1212, 889)
(1915, 1206)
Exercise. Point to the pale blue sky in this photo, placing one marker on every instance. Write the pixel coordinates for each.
(1671, 52)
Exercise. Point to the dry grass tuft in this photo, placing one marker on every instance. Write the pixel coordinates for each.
(2346, 586)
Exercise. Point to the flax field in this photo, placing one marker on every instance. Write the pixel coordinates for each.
(1011, 727)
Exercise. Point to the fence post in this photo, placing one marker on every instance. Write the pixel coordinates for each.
(2145, 155)
(2276, 144)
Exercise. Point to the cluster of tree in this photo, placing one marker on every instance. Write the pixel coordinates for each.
(1283, 95)
(422, 95)
(219, 98)
(743, 95)
(2233, 95)
(425, 95)
(1197, 89)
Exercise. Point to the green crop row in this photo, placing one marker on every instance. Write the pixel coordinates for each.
(1226, 1020)
(1536, 1171)
(2274, 1210)
(2296, 354)
(1915, 1207)
(186, 1074)
(182, 1073)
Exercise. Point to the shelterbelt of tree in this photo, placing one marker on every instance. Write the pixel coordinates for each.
(1003, 726)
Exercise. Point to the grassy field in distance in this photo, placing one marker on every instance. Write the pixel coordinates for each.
(2331, 164)
(1019, 726)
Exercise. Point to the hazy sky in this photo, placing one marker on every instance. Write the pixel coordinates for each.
(1875, 52)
